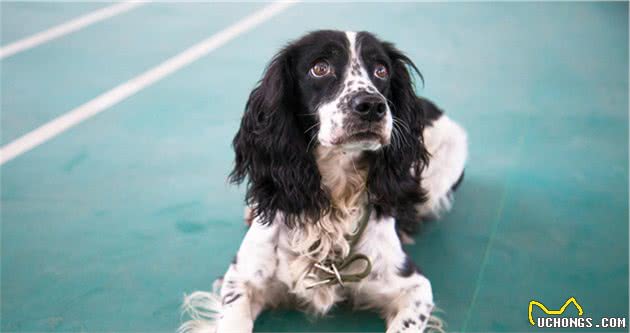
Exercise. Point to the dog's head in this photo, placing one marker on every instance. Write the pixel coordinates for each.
(337, 89)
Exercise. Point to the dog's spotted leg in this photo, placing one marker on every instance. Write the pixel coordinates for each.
(246, 281)
(395, 286)
(240, 303)
(244, 288)
(411, 311)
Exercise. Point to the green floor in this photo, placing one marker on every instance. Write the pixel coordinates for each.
(105, 227)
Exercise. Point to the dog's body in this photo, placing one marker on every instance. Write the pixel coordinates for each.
(343, 162)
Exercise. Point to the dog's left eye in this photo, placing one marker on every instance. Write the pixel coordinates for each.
(380, 71)
(320, 69)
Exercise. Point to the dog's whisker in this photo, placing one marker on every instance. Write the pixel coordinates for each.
(399, 135)
(402, 126)
(403, 137)
(306, 114)
(401, 123)
(395, 138)
(310, 128)
(402, 140)
(311, 141)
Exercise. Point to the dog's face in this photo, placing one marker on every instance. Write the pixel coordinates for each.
(343, 78)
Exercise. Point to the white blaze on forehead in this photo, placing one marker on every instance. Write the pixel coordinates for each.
(355, 67)
(352, 39)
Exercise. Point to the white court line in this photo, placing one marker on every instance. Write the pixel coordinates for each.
(66, 28)
(124, 90)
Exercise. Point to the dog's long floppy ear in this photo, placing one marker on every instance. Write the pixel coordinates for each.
(395, 174)
(271, 149)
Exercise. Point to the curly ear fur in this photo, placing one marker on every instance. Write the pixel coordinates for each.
(394, 178)
(271, 150)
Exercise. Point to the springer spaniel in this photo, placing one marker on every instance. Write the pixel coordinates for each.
(343, 161)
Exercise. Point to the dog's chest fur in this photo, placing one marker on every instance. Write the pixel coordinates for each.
(344, 178)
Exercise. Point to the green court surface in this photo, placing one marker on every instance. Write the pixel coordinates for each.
(106, 226)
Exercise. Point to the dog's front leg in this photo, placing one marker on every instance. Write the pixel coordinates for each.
(395, 285)
(246, 283)
(244, 291)
(237, 301)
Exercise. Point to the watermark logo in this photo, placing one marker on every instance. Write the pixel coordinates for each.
(556, 321)
(553, 312)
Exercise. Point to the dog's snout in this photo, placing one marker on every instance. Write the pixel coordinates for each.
(369, 107)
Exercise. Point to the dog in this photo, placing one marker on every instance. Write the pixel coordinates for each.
(343, 161)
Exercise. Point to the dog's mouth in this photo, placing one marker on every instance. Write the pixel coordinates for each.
(362, 140)
(363, 136)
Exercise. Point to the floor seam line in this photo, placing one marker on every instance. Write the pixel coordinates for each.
(489, 245)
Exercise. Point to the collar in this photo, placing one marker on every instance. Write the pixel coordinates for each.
(332, 271)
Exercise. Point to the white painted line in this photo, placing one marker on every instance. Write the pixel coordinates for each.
(67, 28)
(124, 90)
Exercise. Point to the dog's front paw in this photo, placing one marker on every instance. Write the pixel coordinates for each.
(232, 324)
(235, 314)
(414, 318)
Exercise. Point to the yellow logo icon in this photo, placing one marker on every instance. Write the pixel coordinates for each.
(552, 312)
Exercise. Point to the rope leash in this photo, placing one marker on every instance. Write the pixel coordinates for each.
(331, 270)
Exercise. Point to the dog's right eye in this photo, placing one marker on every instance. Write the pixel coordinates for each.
(320, 69)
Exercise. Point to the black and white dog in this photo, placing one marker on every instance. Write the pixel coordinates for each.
(343, 161)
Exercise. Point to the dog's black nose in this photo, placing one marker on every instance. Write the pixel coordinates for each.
(369, 107)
